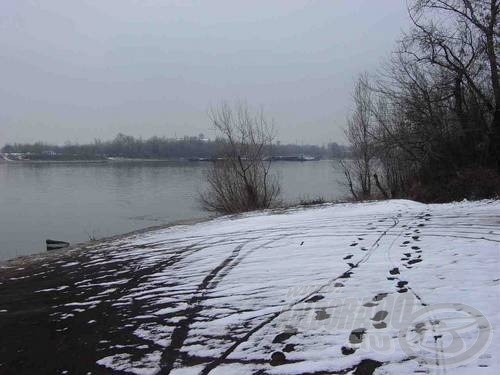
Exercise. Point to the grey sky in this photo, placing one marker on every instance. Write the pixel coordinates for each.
(74, 70)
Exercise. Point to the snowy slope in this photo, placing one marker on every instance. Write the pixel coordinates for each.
(391, 287)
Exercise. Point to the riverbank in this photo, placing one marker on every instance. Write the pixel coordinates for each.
(314, 290)
(70, 251)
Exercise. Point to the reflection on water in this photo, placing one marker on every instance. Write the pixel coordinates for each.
(75, 201)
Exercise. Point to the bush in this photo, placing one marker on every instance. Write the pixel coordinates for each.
(469, 183)
(241, 179)
(312, 201)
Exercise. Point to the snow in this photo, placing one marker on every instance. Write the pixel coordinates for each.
(70, 264)
(325, 289)
(62, 287)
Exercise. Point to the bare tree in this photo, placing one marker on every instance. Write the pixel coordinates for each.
(462, 37)
(358, 170)
(240, 180)
(433, 118)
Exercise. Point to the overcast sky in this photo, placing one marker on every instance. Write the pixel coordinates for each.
(75, 70)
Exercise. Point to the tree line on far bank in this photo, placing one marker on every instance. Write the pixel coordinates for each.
(126, 146)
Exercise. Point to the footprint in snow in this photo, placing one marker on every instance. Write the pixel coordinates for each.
(321, 314)
(380, 325)
(380, 315)
(277, 359)
(356, 336)
(367, 366)
(420, 328)
(348, 257)
(413, 261)
(379, 297)
(394, 271)
(353, 244)
(284, 336)
(315, 298)
(289, 348)
(347, 351)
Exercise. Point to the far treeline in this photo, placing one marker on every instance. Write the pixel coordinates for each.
(126, 146)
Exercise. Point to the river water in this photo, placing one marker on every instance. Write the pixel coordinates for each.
(75, 201)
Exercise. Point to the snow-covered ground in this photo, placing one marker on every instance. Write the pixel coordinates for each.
(393, 287)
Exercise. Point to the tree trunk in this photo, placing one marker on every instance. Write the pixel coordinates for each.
(492, 58)
(379, 186)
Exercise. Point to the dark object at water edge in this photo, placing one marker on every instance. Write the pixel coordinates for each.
(55, 245)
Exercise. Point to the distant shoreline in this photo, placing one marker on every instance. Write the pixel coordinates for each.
(90, 161)
(124, 160)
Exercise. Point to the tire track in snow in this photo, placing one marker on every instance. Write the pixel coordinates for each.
(172, 352)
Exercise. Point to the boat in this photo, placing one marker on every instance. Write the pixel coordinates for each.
(200, 159)
(294, 158)
(55, 245)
